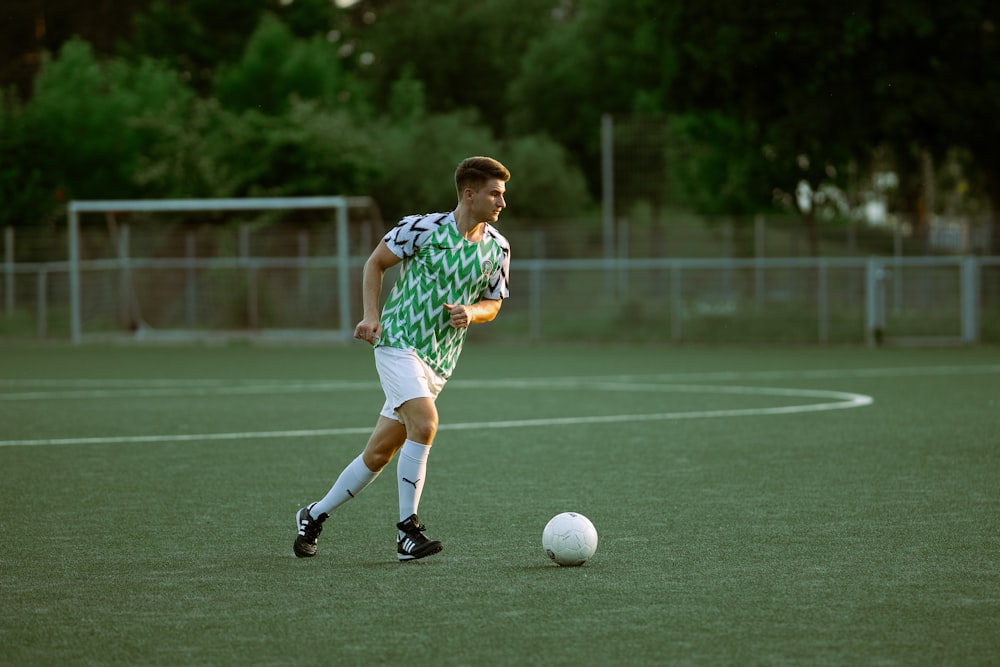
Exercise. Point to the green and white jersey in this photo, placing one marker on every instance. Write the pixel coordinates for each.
(439, 267)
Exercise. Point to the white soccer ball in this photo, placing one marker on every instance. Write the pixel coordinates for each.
(569, 538)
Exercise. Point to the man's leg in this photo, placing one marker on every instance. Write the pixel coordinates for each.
(385, 440)
(420, 418)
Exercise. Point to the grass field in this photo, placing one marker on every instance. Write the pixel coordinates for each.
(756, 506)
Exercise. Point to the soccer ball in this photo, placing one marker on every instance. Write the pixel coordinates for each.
(569, 538)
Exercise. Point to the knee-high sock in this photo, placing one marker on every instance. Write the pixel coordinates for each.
(355, 477)
(411, 468)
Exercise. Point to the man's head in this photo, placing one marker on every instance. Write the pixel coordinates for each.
(476, 172)
(480, 184)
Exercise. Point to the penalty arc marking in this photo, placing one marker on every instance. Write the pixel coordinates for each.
(827, 400)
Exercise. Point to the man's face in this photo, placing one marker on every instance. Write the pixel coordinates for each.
(488, 201)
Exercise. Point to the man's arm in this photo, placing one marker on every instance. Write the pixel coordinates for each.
(370, 327)
(484, 310)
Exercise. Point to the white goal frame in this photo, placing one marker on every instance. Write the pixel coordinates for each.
(340, 204)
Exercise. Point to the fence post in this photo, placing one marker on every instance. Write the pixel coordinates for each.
(303, 271)
(76, 332)
(43, 302)
(8, 261)
(608, 196)
(970, 299)
(874, 302)
(897, 267)
(759, 251)
(727, 251)
(190, 275)
(251, 277)
(623, 250)
(676, 303)
(822, 297)
(124, 278)
(344, 273)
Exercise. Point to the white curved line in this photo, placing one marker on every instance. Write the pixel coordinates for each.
(841, 401)
(77, 388)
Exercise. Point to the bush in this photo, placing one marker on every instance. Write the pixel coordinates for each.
(278, 68)
(84, 131)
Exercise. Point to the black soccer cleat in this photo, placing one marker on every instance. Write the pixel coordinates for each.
(413, 545)
(309, 530)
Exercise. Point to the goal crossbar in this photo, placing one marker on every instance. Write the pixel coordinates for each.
(339, 203)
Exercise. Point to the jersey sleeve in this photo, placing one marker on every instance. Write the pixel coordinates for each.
(497, 287)
(405, 239)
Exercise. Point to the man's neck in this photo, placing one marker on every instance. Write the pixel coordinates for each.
(468, 227)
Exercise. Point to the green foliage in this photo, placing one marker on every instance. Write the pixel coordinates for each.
(545, 182)
(764, 96)
(464, 52)
(277, 67)
(419, 161)
(717, 165)
(407, 99)
(419, 151)
(26, 197)
(607, 57)
(85, 129)
(225, 153)
(196, 36)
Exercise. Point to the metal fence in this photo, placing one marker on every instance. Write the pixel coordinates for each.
(827, 300)
(262, 268)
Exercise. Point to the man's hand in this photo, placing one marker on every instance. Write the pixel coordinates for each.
(460, 315)
(368, 330)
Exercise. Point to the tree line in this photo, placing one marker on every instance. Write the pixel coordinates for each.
(760, 106)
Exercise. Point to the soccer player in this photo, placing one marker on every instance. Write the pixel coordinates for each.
(454, 274)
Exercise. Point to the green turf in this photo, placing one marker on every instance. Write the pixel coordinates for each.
(864, 536)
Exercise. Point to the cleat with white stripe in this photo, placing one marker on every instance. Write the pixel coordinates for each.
(412, 544)
(308, 532)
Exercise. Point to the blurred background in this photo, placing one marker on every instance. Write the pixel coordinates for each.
(700, 171)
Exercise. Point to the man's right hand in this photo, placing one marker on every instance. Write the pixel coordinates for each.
(368, 331)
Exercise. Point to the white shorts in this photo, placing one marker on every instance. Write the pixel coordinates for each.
(404, 376)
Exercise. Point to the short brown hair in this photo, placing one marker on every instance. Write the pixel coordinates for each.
(473, 172)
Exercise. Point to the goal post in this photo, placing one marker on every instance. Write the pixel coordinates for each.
(342, 260)
(923, 301)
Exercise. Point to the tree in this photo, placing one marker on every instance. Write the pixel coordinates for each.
(196, 36)
(829, 84)
(959, 90)
(219, 152)
(419, 150)
(26, 195)
(600, 56)
(465, 54)
(277, 67)
(85, 128)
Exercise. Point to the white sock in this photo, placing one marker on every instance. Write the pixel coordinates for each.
(355, 477)
(411, 468)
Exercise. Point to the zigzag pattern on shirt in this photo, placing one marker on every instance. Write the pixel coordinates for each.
(439, 267)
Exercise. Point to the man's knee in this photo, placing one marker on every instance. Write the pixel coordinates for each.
(383, 444)
(421, 420)
(376, 459)
(423, 433)
(422, 428)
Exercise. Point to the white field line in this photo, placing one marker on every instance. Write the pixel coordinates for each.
(76, 389)
(834, 400)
